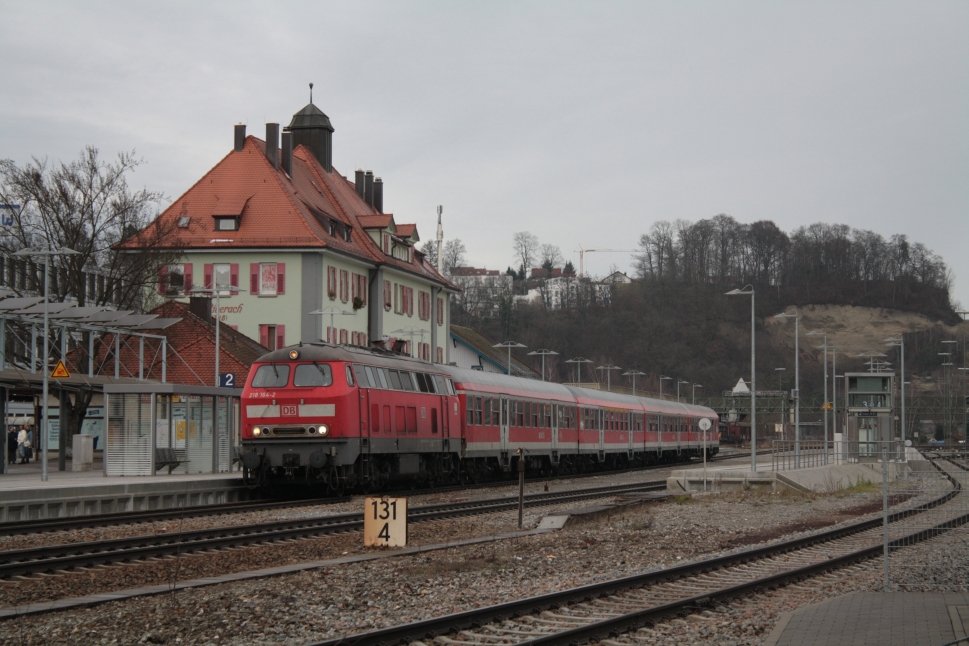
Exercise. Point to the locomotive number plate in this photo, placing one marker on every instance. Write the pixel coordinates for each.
(287, 410)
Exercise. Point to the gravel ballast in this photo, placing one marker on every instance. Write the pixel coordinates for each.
(347, 598)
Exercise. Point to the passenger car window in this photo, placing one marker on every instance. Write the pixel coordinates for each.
(271, 376)
(312, 374)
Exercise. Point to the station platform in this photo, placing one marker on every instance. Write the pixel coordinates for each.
(24, 495)
(878, 619)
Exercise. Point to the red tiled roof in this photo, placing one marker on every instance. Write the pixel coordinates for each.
(382, 221)
(277, 211)
(191, 350)
(408, 231)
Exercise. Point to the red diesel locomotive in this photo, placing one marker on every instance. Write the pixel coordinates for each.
(343, 417)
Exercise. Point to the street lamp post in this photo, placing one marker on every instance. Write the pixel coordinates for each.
(693, 401)
(899, 342)
(825, 397)
(578, 361)
(748, 290)
(608, 370)
(678, 382)
(45, 388)
(783, 405)
(663, 378)
(216, 293)
(797, 386)
(633, 373)
(509, 345)
(834, 392)
(544, 353)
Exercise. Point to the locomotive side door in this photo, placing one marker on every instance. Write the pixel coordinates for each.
(555, 431)
(630, 431)
(504, 422)
(601, 420)
(365, 427)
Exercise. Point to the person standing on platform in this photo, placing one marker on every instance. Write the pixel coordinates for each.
(22, 445)
(11, 445)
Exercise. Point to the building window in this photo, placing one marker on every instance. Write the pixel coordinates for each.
(272, 335)
(424, 305)
(176, 279)
(227, 224)
(344, 285)
(267, 278)
(331, 282)
(359, 290)
(222, 277)
(387, 295)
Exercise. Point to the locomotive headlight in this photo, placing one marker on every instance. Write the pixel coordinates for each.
(322, 429)
(257, 431)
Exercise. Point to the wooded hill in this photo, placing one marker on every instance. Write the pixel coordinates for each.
(676, 320)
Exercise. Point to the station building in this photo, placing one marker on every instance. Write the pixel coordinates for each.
(290, 250)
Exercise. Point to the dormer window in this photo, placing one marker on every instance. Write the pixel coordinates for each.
(227, 224)
(332, 227)
(183, 221)
(347, 233)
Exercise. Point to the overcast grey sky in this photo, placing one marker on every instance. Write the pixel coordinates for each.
(581, 122)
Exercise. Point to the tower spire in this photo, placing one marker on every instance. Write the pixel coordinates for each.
(311, 92)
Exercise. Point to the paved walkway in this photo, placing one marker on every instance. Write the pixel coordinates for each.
(878, 619)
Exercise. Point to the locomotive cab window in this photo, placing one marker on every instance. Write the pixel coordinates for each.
(310, 375)
(271, 376)
(424, 382)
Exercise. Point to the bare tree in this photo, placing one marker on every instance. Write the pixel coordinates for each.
(87, 206)
(453, 256)
(526, 250)
(551, 256)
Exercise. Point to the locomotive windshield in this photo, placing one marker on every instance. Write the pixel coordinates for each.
(312, 374)
(271, 376)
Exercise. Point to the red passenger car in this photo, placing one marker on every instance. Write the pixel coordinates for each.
(342, 417)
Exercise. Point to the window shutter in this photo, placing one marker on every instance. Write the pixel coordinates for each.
(440, 311)
(207, 272)
(187, 273)
(331, 282)
(264, 335)
(280, 278)
(280, 336)
(234, 276)
(344, 285)
(254, 278)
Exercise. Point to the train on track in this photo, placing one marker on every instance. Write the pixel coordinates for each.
(342, 418)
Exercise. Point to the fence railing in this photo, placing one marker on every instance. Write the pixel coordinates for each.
(788, 454)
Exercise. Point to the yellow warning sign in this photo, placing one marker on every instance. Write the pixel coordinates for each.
(60, 371)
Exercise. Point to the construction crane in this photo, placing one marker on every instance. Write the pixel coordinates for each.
(583, 252)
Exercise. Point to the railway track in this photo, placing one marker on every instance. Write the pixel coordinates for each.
(619, 606)
(21, 527)
(51, 559)
(38, 526)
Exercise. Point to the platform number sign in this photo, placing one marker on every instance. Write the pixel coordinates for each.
(385, 522)
(227, 380)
